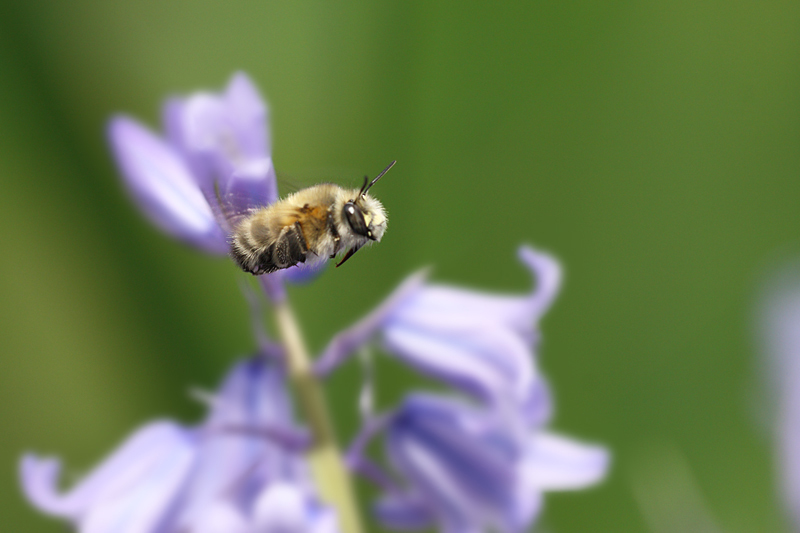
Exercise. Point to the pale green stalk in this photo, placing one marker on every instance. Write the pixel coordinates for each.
(329, 472)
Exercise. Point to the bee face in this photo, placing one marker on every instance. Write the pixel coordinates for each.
(365, 217)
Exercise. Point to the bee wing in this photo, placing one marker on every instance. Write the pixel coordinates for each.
(290, 183)
(230, 208)
(241, 190)
(298, 180)
(233, 204)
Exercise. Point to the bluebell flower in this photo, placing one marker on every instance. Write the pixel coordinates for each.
(241, 470)
(480, 343)
(214, 162)
(481, 460)
(780, 331)
(279, 508)
(225, 140)
(466, 470)
(131, 491)
(216, 147)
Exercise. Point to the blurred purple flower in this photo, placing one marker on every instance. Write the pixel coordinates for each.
(217, 149)
(225, 140)
(240, 471)
(780, 330)
(164, 187)
(215, 163)
(131, 491)
(465, 469)
(279, 508)
(467, 466)
(479, 342)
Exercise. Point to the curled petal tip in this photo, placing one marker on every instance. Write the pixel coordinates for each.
(548, 273)
(241, 81)
(544, 264)
(39, 477)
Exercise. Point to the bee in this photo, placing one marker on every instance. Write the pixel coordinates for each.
(309, 226)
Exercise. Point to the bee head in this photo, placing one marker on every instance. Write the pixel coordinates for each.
(366, 217)
(364, 214)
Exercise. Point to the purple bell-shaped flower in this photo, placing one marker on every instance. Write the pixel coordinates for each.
(241, 471)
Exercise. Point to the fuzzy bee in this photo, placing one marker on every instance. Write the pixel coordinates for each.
(308, 226)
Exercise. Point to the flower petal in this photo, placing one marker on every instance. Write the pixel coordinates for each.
(519, 313)
(453, 456)
(403, 512)
(537, 404)
(285, 508)
(482, 359)
(163, 186)
(250, 116)
(225, 139)
(780, 332)
(547, 272)
(220, 516)
(281, 508)
(351, 339)
(131, 491)
(479, 342)
(40, 483)
(302, 273)
(255, 181)
(234, 457)
(553, 462)
(253, 393)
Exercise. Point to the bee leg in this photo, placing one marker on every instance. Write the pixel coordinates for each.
(332, 230)
(347, 256)
(301, 240)
(290, 248)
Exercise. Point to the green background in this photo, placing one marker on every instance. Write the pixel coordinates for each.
(652, 146)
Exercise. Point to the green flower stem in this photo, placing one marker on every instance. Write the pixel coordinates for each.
(329, 472)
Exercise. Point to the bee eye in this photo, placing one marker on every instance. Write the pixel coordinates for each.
(355, 219)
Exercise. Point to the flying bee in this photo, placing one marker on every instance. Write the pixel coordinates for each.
(308, 226)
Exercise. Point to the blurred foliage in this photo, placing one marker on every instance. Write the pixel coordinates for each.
(652, 146)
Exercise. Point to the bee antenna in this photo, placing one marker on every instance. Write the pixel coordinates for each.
(365, 187)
